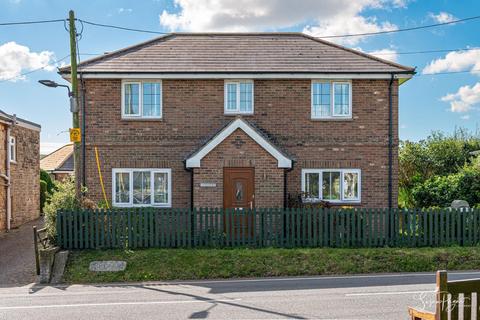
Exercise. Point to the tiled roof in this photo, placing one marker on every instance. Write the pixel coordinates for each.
(9, 117)
(238, 53)
(59, 160)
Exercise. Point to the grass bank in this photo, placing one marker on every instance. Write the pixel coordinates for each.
(184, 264)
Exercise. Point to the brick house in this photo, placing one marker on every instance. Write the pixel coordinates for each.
(19, 171)
(59, 164)
(241, 120)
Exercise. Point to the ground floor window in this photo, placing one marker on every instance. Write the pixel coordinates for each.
(142, 187)
(333, 185)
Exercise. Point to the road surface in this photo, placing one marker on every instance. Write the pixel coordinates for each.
(348, 297)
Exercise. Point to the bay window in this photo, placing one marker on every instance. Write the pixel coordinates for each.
(142, 99)
(331, 99)
(141, 187)
(333, 185)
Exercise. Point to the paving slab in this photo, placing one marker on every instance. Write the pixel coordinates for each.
(17, 256)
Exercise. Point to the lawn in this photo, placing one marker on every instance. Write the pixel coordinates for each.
(189, 264)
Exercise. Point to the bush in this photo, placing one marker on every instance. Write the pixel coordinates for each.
(44, 176)
(43, 194)
(442, 190)
(428, 163)
(63, 198)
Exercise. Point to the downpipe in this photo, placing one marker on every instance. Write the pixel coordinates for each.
(390, 141)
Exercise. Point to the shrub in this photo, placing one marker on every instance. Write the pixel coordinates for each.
(44, 176)
(442, 190)
(43, 194)
(63, 198)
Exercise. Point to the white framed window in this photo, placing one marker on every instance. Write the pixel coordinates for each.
(331, 99)
(13, 149)
(333, 185)
(142, 187)
(142, 99)
(239, 97)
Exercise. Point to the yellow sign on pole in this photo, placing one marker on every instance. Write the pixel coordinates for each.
(75, 135)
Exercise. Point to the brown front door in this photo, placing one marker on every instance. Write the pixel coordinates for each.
(238, 188)
(238, 194)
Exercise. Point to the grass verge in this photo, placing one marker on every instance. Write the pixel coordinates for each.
(190, 264)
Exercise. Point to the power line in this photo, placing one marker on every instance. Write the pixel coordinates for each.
(35, 70)
(447, 72)
(321, 37)
(401, 30)
(425, 51)
(120, 27)
(30, 22)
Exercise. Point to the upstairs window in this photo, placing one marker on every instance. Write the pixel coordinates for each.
(142, 99)
(13, 150)
(333, 185)
(331, 99)
(239, 97)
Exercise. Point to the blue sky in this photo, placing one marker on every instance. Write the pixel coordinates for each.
(427, 102)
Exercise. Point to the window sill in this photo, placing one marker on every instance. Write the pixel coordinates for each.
(117, 205)
(13, 162)
(331, 119)
(238, 114)
(334, 203)
(142, 119)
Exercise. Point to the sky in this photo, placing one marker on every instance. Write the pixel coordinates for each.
(430, 101)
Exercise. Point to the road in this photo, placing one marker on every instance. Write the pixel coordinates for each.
(349, 297)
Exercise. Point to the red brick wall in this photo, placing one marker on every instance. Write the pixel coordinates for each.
(193, 111)
(25, 176)
(239, 150)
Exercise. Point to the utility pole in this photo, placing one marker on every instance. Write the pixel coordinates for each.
(74, 79)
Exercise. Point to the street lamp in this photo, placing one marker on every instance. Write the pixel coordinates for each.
(53, 84)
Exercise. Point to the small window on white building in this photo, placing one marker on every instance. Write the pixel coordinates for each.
(333, 185)
(239, 97)
(142, 99)
(13, 150)
(141, 187)
(331, 99)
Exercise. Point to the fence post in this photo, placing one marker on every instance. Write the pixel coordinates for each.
(35, 246)
(441, 307)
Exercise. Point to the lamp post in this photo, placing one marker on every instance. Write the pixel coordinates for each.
(53, 84)
(74, 110)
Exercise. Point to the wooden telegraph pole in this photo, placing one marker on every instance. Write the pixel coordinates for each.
(74, 132)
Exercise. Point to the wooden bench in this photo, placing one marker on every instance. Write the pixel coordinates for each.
(452, 297)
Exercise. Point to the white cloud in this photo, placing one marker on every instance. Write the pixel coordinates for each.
(465, 117)
(124, 10)
(15, 59)
(442, 17)
(455, 61)
(464, 99)
(326, 17)
(387, 54)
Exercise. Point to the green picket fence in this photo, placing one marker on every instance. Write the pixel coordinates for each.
(184, 228)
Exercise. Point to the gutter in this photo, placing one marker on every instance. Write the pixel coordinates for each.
(390, 141)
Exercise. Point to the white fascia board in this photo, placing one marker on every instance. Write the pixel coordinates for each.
(240, 76)
(26, 125)
(194, 161)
